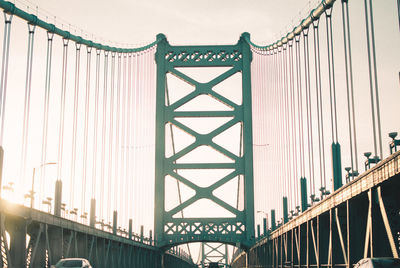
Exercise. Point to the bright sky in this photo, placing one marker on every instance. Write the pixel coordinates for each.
(184, 22)
(215, 22)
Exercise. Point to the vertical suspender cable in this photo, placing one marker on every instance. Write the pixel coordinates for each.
(74, 124)
(256, 84)
(96, 123)
(86, 127)
(281, 184)
(46, 109)
(335, 146)
(309, 113)
(128, 134)
(272, 123)
(331, 71)
(349, 86)
(300, 106)
(134, 137)
(4, 72)
(287, 140)
(117, 135)
(284, 173)
(398, 11)
(135, 168)
(263, 92)
(28, 83)
(271, 111)
(103, 137)
(293, 121)
(318, 89)
(123, 142)
(62, 110)
(142, 97)
(373, 78)
(111, 185)
(137, 72)
(279, 121)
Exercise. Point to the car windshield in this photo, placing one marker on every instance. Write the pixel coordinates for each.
(69, 263)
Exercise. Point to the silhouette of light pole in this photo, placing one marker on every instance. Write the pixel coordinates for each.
(32, 192)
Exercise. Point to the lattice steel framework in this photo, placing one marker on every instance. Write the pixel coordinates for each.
(236, 230)
(212, 252)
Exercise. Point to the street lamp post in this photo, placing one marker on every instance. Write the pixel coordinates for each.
(32, 192)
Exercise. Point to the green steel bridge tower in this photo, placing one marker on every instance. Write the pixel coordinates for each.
(237, 230)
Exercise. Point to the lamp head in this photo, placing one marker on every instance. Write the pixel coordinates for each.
(367, 154)
(393, 135)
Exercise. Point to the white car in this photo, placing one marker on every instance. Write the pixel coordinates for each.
(378, 263)
(72, 263)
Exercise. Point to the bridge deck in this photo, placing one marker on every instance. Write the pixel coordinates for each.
(33, 215)
(372, 177)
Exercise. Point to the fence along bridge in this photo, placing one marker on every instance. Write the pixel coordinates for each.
(96, 122)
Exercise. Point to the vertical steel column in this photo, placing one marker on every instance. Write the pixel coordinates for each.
(130, 229)
(273, 221)
(285, 210)
(115, 218)
(303, 191)
(17, 229)
(264, 226)
(92, 221)
(160, 142)
(248, 138)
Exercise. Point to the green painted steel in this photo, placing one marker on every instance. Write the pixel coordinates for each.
(285, 210)
(238, 229)
(10, 8)
(273, 220)
(214, 253)
(337, 166)
(303, 192)
(264, 227)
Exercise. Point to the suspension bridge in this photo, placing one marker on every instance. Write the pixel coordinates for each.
(244, 155)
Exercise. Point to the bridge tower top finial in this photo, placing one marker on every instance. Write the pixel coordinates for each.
(245, 35)
(161, 36)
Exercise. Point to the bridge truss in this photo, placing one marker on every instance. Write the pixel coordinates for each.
(172, 230)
